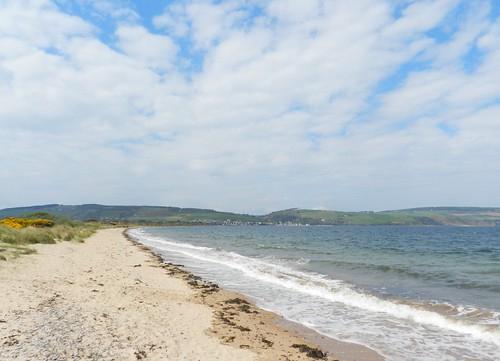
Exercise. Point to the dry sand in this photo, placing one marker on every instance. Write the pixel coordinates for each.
(111, 299)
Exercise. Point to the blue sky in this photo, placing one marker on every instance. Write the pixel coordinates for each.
(250, 105)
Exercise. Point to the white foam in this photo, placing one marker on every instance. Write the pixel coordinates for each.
(319, 286)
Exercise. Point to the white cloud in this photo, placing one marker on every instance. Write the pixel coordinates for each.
(421, 16)
(174, 19)
(281, 112)
(296, 11)
(115, 8)
(154, 50)
(39, 23)
(205, 21)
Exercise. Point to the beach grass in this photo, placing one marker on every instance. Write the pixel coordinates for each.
(16, 240)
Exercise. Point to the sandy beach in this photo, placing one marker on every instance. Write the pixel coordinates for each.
(112, 299)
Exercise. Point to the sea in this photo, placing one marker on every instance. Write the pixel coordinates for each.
(409, 293)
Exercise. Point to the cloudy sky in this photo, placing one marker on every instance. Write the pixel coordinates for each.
(250, 105)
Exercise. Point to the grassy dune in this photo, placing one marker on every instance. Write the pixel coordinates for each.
(15, 240)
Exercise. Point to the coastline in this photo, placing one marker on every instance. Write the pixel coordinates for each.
(114, 298)
(263, 326)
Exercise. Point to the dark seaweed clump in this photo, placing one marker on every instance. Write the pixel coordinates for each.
(311, 352)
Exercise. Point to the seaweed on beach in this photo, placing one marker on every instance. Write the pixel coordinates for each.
(237, 301)
(243, 305)
(311, 352)
(206, 287)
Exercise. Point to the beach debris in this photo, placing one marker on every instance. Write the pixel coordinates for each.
(138, 265)
(155, 257)
(197, 282)
(226, 320)
(49, 302)
(311, 352)
(243, 305)
(267, 342)
(140, 354)
(247, 309)
(228, 339)
(237, 301)
(243, 328)
(11, 340)
(153, 346)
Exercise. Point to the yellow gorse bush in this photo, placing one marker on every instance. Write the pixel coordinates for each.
(18, 223)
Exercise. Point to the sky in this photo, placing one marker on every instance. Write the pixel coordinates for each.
(250, 106)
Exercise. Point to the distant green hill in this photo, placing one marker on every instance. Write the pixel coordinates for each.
(131, 213)
(459, 216)
(456, 216)
(316, 217)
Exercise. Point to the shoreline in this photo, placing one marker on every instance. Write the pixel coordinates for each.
(316, 343)
(110, 298)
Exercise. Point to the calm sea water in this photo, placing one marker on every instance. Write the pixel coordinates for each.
(411, 293)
